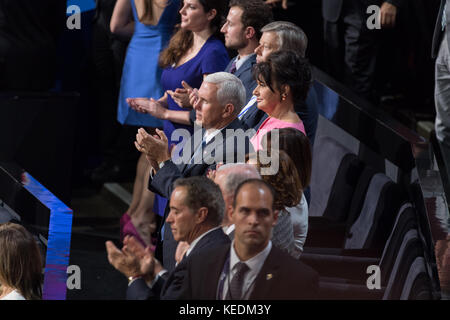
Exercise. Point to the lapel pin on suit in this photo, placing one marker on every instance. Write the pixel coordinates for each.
(269, 276)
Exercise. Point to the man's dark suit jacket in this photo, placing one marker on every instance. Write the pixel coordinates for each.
(331, 9)
(281, 277)
(438, 32)
(244, 73)
(162, 182)
(168, 287)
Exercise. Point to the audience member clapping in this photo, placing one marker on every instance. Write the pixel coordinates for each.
(196, 212)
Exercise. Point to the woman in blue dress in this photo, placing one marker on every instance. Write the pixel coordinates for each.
(150, 24)
(193, 52)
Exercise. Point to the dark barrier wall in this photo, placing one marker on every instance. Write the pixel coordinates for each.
(37, 132)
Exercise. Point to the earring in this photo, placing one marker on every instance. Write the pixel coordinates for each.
(283, 96)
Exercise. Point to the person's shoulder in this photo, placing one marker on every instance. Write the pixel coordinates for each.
(215, 238)
(14, 295)
(214, 44)
(292, 265)
(210, 252)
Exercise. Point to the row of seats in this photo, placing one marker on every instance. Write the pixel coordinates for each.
(359, 218)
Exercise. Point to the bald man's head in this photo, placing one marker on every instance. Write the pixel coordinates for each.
(228, 178)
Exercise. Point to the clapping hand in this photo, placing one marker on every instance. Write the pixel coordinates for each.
(124, 260)
(182, 96)
(151, 106)
(182, 248)
(388, 14)
(154, 147)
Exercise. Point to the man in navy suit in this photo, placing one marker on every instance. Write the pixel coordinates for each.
(242, 31)
(220, 98)
(196, 211)
(250, 268)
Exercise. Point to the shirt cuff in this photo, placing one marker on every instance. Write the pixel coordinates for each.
(153, 172)
(159, 275)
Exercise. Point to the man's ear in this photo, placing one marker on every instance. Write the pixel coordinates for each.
(228, 110)
(211, 14)
(275, 217)
(201, 215)
(250, 33)
(229, 213)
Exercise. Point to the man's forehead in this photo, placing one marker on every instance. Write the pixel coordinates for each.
(235, 11)
(208, 86)
(254, 192)
(179, 193)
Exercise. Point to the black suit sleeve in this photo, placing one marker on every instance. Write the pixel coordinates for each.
(139, 290)
(174, 286)
(162, 182)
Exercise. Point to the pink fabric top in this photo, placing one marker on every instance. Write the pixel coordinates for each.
(270, 124)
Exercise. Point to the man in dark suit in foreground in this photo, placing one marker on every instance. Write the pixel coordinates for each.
(249, 268)
(196, 212)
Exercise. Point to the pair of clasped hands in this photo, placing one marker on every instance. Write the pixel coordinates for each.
(185, 97)
(156, 147)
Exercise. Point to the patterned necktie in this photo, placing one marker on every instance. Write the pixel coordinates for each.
(233, 67)
(235, 289)
(197, 154)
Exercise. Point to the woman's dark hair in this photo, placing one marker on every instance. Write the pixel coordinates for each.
(181, 41)
(285, 182)
(298, 148)
(20, 261)
(285, 68)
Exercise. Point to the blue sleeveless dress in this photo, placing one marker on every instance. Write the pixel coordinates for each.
(141, 74)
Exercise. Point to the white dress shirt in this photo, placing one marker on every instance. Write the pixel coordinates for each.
(240, 60)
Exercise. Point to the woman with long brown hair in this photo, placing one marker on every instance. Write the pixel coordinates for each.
(20, 264)
(296, 145)
(287, 185)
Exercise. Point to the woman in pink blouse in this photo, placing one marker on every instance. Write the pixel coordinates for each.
(283, 81)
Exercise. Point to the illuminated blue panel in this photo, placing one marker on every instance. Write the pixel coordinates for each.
(58, 246)
(85, 5)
